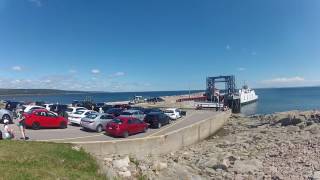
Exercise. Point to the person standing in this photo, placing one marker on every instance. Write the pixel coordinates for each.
(22, 125)
(8, 132)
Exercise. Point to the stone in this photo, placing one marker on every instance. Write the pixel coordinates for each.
(143, 167)
(126, 174)
(316, 175)
(107, 159)
(159, 166)
(247, 166)
(121, 163)
(76, 148)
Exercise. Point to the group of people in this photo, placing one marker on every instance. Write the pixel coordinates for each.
(8, 131)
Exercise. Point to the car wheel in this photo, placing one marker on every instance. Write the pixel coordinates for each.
(169, 121)
(99, 129)
(35, 126)
(63, 125)
(6, 116)
(125, 134)
(159, 125)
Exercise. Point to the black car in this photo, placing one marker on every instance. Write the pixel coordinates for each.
(60, 109)
(157, 119)
(150, 110)
(155, 99)
(115, 111)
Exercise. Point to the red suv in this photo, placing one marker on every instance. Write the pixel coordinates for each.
(125, 126)
(42, 118)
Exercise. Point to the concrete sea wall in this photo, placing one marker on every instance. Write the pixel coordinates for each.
(161, 144)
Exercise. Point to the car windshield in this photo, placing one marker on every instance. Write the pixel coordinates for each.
(126, 113)
(92, 116)
(69, 110)
(168, 111)
(79, 112)
(117, 121)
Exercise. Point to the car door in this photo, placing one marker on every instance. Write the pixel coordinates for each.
(138, 125)
(52, 119)
(131, 126)
(104, 119)
(36, 117)
(41, 117)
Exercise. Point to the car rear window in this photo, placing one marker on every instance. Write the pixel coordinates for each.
(92, 116)
(151, 116)
(79, 112)
(69, 110)
(126, 113)
(117, 121)
(169, 111)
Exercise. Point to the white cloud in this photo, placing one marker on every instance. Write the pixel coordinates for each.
(295, 81)
(95, 71)
(241, 69)
(284, 80)
(118, 74)
(38, 3)
(16, 68)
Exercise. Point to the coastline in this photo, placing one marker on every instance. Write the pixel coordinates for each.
(275, 146)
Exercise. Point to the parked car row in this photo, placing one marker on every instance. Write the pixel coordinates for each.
(115, 120)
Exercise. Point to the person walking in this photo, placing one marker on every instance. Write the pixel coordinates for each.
(22, 125)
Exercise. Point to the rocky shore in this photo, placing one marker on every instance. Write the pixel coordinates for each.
(277, 146)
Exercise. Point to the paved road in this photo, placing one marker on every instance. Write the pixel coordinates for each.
(76, 134)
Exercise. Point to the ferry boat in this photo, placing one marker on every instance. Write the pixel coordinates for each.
(247, 95)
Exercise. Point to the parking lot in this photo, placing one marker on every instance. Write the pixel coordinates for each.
(76, 134)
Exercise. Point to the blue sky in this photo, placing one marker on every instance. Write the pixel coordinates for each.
(147, 45)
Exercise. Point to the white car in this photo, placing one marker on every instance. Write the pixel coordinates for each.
(72, 110)
(173, 113)
(30, 108)
(76, 117)
(48, 106)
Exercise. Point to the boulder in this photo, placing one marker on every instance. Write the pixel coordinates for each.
(289, 121)
(126, 174)
(121, 163)
(316, 175)
(159, 166)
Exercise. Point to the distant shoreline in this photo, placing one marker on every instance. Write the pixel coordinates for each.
(41, 94)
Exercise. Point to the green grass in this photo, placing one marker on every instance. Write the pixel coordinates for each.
(38, 160)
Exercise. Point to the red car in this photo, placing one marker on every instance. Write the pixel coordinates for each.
(42, 118)
(125, 126)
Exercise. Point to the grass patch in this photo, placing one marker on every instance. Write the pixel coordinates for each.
(39, 160)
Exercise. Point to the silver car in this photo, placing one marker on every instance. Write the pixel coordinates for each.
(6, 114)
(96, 121)
(133, 113)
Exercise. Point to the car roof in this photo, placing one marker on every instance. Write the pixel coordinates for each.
(125, 118)
(173, 109)
(154, 113)
(40, 110)
(132, 110)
